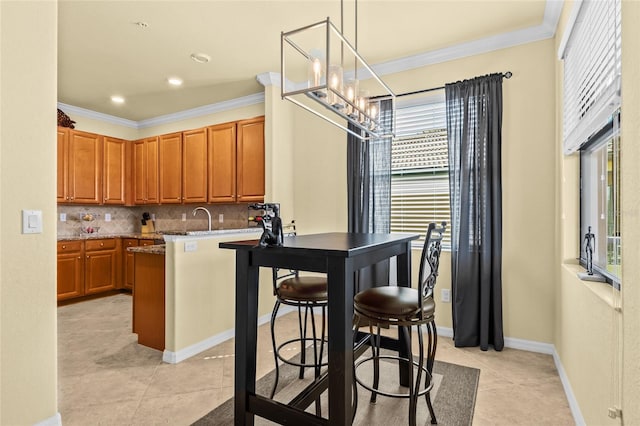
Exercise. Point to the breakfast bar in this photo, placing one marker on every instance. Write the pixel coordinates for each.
(339, 255)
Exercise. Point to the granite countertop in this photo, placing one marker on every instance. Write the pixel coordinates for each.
(140, 236)
(155, 249)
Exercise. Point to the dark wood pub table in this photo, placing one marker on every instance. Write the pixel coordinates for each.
(339, 255)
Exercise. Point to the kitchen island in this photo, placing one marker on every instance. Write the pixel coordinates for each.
(200, 291)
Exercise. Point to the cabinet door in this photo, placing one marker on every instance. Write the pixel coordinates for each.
(139, 173)
(151, 160)
(63, 167)
(70, 279)
(113, 170)
(127, 262)
(222, 163)
(194, 166)
(100, 271)
(250, 152)
(145, 171)
(85, 167)
(171, 168)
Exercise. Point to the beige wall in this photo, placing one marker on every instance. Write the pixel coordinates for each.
(201, 286)
(630, 208)
(528, 186)
(28, 370)
(592, 339)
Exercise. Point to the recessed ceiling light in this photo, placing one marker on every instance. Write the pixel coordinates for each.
(117, 99)
(174, 81)
(201, 58)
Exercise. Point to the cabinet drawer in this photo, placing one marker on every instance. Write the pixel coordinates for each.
(69, 246)
(107, 244)
(145, 243)
(129, 242)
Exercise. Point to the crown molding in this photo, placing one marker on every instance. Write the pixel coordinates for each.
(87, 113)
(547, 29)
(269, 79)
(243, 101)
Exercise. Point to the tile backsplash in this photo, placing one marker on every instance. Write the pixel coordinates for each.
(167, 218)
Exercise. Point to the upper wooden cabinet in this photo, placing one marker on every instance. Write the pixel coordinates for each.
(145, 171)
(222, 163)
(194, 166)
(250, 160)
(113, 170)
(79, 167)
(170, 168)
(63, 167)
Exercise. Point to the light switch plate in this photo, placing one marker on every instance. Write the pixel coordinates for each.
(31, 221)
(221, 218)
(63, 217)
(107, 217)
(445, 295)
(184, 217)
(190, 246)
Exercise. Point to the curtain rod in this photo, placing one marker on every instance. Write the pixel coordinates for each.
(507, 75)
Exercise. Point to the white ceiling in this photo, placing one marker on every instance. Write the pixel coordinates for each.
(102, 52)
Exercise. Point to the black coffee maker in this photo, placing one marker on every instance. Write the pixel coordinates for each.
(268, 218)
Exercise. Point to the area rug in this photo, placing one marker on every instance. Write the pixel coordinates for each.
(453, 397)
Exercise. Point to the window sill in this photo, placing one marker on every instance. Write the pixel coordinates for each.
(603, 291)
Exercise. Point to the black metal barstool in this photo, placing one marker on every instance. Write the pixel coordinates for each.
(405, 307)
(305, 293)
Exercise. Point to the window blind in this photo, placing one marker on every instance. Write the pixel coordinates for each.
(592, 64)
(420, 169)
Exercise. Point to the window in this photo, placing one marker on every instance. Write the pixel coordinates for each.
(591, 51)
(420, 168)
(600, 200)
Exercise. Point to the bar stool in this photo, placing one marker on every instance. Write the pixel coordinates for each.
(305, 293)
(404, 307)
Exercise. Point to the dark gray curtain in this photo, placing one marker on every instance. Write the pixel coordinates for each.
(369, 192)
(474, 126)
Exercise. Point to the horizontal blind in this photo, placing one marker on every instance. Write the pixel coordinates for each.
(592, 64)
(420, 170)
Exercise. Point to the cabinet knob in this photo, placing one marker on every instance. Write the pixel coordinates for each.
(87, 256)
(80, 257)
(64, 247)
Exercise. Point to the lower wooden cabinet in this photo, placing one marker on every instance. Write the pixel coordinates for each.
(102, 264)
(70, 269)
(88, 267)
(149, 299)
(128, 260)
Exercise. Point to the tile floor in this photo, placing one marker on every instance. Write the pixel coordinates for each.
(106, 378)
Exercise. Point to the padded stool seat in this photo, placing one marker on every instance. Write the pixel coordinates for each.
(385, 303)
(303, 289)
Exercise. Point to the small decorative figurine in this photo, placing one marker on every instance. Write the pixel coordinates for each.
(588, 250)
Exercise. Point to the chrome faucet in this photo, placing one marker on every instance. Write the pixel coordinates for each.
(206, 211)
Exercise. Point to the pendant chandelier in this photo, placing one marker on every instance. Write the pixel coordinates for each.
(324, 74)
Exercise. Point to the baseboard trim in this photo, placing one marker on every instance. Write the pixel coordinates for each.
(55, 420)
(543, 348)
(568, 391)
(171, 357)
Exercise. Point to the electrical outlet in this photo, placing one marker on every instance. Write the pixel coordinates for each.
(63, 217)
(445, 295)
(221, 218)
(184, 217)
(190, 246)
(107, 217)
(153, 216)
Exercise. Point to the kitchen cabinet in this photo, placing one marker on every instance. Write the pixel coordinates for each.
(145, 171)
(79, 167)
(149, 299)
(113, 170)
(128, 260)
(222, 163)
(102, 265)
(194, 166)
(70, 280)
(63, 164)
(170, 168)
(250, 160)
